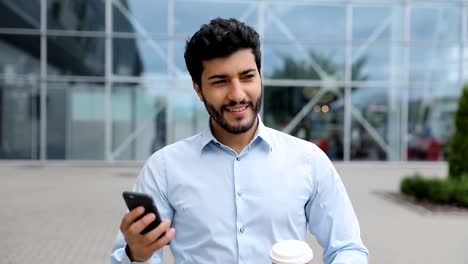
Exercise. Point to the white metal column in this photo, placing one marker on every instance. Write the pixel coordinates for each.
(406, 73)
(261, 32)
(108, 82)
(43, 85)
(171, 71)
(348, 77)
(463, 41)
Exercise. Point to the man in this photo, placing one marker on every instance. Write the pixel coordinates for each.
(235, 189)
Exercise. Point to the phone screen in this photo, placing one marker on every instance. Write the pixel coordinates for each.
(135, 199)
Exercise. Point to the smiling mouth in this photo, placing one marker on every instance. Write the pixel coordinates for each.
(237, 109)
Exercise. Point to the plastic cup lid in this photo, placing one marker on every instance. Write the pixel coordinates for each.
(291, 252)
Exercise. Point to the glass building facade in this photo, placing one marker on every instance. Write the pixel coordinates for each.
(106, 79)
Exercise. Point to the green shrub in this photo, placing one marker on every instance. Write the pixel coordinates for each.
(436, 190)
(460, 193)
(415, 186)
(458, 146)
(439, 190)
(454, 189)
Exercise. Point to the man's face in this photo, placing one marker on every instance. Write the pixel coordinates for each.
(231, 91)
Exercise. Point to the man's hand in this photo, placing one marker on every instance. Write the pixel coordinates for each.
(142, 247)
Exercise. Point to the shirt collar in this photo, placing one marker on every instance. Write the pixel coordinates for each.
(262, 133)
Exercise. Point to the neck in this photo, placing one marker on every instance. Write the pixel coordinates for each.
(237, 142)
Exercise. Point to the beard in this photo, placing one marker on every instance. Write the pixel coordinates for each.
(217, 115)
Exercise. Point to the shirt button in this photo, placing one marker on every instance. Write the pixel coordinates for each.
(242, 230)
(239, 193)
(238, 159)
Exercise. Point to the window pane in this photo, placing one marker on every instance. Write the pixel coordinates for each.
(138, 121)
(140, 57)
(88, 15)
(431, 121)
(375, 125)
(19, 118)
(292, 21)
(319, 114)
(377, 23)
(465, 65)
(19, 55)
(75, 121)
(187, 21)
(434, 64)
(143, 114)
(435, 23)
(377, 62)
(82, 56)
(180, 69)
(139, 16)
(189, 115)
(20, 14)
(302, 61)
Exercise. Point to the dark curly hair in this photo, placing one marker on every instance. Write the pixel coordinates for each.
(220, 38)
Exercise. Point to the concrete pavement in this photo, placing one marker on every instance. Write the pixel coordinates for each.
(69, 213)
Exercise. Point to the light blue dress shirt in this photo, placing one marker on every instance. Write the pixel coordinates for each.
(231, 208)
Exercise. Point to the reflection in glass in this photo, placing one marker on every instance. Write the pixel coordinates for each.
(312, 113)
(437, 24)
(139, 16)
(20, 14)
(375, 125)
(373, 62)
(373, 23)
(302, 61)
(431, 121)
(189, 115)
(465, 66)
(138, 121)
(434, 64)
(83, 56)
(75, 121)
(293, 22)
(19, 55)
(139, 57)
(143, 114)
(19, 118)
(465, 62)
(76, 15)
(180, 69)
(187, 21)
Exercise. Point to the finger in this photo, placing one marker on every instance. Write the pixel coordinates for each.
(130, 217)
(158, 231)
(160, 243)
(141, 224)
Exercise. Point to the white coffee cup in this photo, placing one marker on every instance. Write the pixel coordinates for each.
(291, 252)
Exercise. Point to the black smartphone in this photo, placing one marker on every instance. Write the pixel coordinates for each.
(135, 199)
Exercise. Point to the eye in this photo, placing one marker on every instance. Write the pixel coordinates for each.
(220, 82)
(249, 76)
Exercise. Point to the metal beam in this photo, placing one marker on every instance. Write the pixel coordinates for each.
(43, 85)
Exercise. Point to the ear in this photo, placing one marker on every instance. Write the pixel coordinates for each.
(197, 90)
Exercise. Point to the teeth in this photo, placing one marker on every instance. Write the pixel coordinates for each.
(237, 109)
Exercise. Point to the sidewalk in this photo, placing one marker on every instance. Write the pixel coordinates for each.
(70, 214)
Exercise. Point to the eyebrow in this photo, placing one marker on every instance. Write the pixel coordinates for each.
(247, 71)
(223, 76)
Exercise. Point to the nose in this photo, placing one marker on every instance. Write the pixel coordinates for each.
(236, 91)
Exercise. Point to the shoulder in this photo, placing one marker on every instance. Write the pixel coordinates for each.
(179, 149)
(287, 143)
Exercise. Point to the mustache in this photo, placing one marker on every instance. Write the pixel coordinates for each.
(234, 103)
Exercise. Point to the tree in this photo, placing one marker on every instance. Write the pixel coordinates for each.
(285, 102)
(458, 152)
